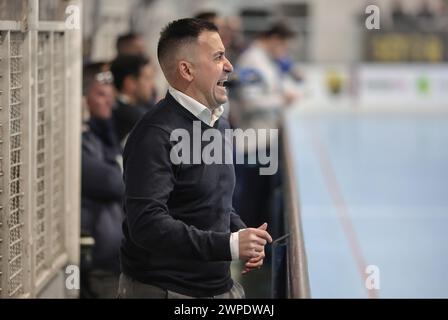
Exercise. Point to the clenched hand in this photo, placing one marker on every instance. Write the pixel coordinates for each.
(251, 245)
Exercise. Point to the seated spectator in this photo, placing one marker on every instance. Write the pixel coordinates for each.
(265, 89)
(102, 186)
(134, 81)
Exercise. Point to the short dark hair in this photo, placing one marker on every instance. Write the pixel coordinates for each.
(180, 32)
(124, 40)
(127, 65)
(278, 29)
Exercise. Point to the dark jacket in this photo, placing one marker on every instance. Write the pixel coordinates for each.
(126, 117)
(178, 218)
(102, 193)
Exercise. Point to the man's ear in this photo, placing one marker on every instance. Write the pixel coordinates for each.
(185, 70)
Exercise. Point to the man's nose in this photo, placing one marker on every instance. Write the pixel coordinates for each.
(228, 68)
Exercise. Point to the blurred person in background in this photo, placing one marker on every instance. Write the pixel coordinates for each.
(130, 44)
(267, 89)
(266, 57)
(134, 44)
(102, 186)
(134, 81)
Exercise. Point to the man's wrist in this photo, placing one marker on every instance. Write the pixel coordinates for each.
(235, 245)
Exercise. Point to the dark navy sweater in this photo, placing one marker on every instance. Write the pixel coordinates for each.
(178, 217)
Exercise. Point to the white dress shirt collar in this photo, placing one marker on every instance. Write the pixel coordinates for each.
(196, 108)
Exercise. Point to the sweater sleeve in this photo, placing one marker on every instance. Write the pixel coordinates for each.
(235, 221)
(149, 179)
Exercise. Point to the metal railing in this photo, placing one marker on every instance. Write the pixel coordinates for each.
(297, 268)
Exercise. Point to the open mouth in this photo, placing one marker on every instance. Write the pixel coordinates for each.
(222, 83)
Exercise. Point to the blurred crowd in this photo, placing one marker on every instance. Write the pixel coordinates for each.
(425, 18)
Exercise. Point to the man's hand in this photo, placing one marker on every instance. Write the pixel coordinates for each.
(254, 263)
(252, 242)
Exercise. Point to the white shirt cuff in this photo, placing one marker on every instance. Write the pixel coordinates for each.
(235, 245)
